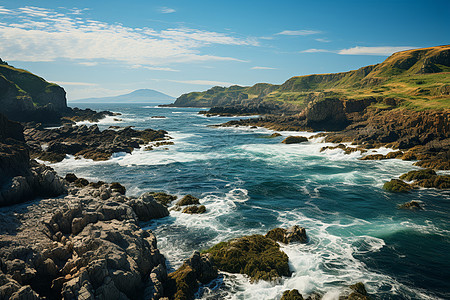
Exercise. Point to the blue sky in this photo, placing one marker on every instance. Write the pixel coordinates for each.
(104, 48)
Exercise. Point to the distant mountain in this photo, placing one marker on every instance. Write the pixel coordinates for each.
(138, 96)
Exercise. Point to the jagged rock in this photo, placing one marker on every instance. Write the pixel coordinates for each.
(291, 235)
(294, 140)
(146, 208)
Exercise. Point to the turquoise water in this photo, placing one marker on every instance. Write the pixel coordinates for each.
(251, 184)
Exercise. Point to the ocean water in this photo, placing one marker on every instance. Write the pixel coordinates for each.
(251, 184)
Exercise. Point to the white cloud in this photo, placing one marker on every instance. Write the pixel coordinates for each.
(313, 50)
(166, 10)
(381, 51)
(53, 35)
(263, 68)
(298, 32)
(203, 82)
(323, 40)
(154, 68)
(88, 63)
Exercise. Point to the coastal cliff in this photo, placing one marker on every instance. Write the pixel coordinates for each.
(414, 79)
(28, 97)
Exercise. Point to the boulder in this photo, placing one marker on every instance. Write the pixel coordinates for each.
(146, 208)
(413, 205)
(294, 139)
(194, 209)
(397, 186)
(188, 200)
(291, 235)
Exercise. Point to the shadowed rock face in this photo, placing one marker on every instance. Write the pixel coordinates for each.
(20, 179)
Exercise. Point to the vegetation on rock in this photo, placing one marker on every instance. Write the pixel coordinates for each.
(396, 186)
(257, 256)
(188, 200)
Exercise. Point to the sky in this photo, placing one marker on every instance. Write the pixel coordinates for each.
(106, 48)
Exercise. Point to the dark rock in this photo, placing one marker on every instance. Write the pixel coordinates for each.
(357, 292)
(163, 198)
(420, 174)
(81, 182)
(411, 205)
(70, 177)
(291, 295)
(294, 140)
(275, 134)
(194, 209)
(188, 200)
(396, 186)
(117, 187)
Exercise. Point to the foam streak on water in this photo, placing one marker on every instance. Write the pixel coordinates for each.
(250, 184)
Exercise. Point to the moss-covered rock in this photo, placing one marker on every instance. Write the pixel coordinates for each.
(257, 256)
(184, 282)
(396, 186)
(294, 139)
(188, 200)
(420, 174)
(438, 182)
(194, 209)
(413, 205)
(163, 198)
(291, 295)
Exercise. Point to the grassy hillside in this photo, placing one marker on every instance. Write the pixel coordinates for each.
(415, 79)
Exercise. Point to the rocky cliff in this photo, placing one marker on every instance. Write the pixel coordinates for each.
(27, 97)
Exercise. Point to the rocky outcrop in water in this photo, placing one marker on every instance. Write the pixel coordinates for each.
(257, 256)
(184, 282)
(294, 140)
(87, 142)
(86, 245)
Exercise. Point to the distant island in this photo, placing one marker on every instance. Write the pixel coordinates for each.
(138, 96)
